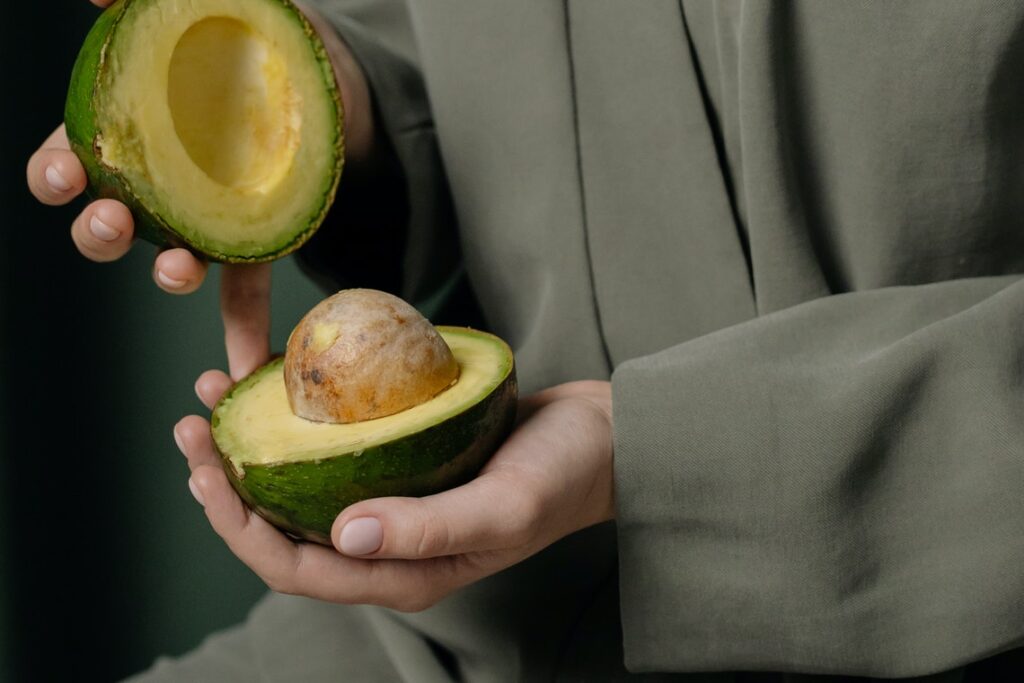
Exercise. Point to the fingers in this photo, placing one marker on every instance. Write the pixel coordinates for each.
(317, 571)
(553, 463)
(55, 175)
(211, 385)
(245, 309)
(102, 3)
(285, 566)
(104, 231)
(192, 434)
(177, 271)
(264, 549)
(489, 513)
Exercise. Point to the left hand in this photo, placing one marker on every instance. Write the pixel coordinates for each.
(553, 476)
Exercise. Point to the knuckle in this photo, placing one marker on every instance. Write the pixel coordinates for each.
(434, 535)
(526, 514)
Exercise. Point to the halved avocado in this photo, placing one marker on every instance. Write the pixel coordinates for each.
(218, 122)
(299, 474)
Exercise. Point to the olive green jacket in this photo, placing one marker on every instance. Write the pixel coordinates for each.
(791, 233)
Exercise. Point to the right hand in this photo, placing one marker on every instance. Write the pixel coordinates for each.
(104, 231)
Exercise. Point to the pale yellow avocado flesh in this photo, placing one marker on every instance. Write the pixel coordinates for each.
(264, 429)
(216, 114)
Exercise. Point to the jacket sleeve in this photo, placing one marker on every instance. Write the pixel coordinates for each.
(834, 488)
(393, 228)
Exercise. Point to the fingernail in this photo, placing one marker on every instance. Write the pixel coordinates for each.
(102, 231)
(56, 180)
(170, 282)
(181, 444)
(361, 536)
(195, 492)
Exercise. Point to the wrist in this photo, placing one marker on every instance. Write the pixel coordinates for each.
(597, 395)
(597, 392)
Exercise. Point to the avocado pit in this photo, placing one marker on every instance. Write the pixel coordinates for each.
(362, 355)
(299, 474)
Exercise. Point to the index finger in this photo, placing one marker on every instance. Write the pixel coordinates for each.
(245, 310)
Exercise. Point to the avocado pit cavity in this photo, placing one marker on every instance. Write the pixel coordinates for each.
(233, 106)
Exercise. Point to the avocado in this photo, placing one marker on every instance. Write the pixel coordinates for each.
(218, 122)
(299, 474)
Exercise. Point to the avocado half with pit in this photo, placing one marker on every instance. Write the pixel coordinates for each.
(218, 122)
(300, 473)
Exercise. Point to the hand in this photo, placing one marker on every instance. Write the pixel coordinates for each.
(553, 476)
(104, 231)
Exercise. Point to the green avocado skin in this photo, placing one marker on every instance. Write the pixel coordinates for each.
(305, 498)
(80, 122)
(80, 119)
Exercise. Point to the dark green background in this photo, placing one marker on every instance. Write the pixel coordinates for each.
(105, 559)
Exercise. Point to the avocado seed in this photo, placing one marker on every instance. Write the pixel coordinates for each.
(363, 354)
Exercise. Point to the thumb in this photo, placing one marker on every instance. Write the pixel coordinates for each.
(489, 513)
(245, 309)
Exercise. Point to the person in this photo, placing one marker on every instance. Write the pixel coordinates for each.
(760, 264)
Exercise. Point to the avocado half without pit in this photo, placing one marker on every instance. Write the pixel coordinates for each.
(218, 122)
(369, 400)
